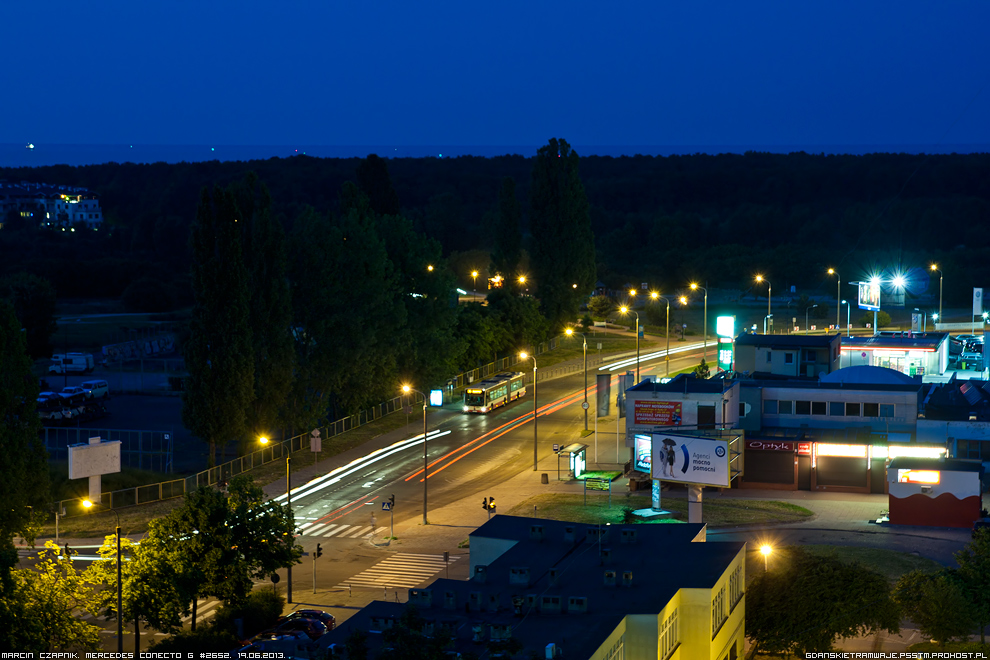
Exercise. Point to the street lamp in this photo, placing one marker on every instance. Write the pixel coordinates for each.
(936, 270)
(568, 332)
(848, 317)
(407, 390)
(533, 357)
(765, 550)
(760, 278)
(430, 268)
(120, 584)
(838, 295)
(288, 505)
(666, 357)
(474, 286)
(626, 310)
(806, 311)
(695, 287)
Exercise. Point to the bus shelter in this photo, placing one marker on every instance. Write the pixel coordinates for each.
(577, 459)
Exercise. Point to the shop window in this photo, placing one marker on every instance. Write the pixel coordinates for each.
(770, 407)
(819, 408)
(962, 446)
(836, 409)
(742, 409)
(785, 407)
(802, 407)
(886, 410)
(788, 358)
(984, 450)
(768, 357)
(811, 356)
(871, 410)
(852, 410)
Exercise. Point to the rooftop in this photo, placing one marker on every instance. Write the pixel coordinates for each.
(686, 384)
(897, 341)
(786, 341)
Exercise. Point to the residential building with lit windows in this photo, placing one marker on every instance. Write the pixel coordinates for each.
(572, 590)
(50, 206)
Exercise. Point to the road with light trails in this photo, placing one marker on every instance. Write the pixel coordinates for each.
(467, 454)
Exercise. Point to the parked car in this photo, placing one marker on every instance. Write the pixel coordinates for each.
(96, 389)
(275, 635)
(328, 619)
(314, 628)
(49, 406)
(72, 391)
(973, 352)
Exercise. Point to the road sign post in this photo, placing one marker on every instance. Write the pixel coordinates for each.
(389, 505)
(446, 563)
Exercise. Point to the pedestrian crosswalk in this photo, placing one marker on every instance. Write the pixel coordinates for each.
(339, 531)
(400, 570)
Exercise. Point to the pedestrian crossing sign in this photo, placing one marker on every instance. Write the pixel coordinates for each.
(386, 506)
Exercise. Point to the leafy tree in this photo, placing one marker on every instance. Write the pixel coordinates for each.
(508, 235)
(356, 645)
(974, 569)
(586, 322)
(33, 299)
(883, 319)
(374, 180)
(519, 318)
(937, 603)
(24, 468)
(563, 248)
(808, 601)
(269, 305)
(702, 370)
(600, 307)
(259, 612)
(220, 386)
(480, 336)
(48, 598)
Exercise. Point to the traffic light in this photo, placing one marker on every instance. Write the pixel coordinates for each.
(491, 503)
(319, 551)
(391, 501)
(484, 504)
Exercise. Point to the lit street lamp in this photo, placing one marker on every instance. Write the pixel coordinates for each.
(848, 317)
(765, 550)
(838, 295)
(936, 270)
(666, 357)
(570, 331)
(760, 278)
(407, 390)
(626, 310)
(288, 505)
(533, 357)
(807, 309)
(120, 584)
(694, 286)
(474, 285)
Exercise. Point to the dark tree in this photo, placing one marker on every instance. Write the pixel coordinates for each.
(33, 299)
(220, 387)
(974, 569)
(508, 235)
(563, 247)
(938, 604)
(373, 179)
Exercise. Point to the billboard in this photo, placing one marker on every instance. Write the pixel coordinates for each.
(657, 413)
(644, 452)
(90, 460)
(690, 459)
(725, 353)
(725, 326)
(869, 296)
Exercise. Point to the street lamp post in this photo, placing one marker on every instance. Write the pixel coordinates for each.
(626, 310)
(694, 286)
(760, 278)
(120, 585)
(535, 410)
(838, 296)
(407, 389)
(474, 286)
(806, 311)
(765, 550)
(570, 331)
(936, 270)
(288, 503)
(666, 357)
(848, 316)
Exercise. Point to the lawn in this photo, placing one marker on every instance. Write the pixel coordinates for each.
(717, 513)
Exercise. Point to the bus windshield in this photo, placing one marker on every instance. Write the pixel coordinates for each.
(474, 399)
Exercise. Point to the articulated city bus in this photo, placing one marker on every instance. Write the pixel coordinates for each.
(493, 392)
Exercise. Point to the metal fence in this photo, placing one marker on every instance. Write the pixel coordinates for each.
(225, 471)
(144, 450)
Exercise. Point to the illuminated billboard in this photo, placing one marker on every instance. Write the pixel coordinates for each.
(869, 296)
(918, 476)
(690, 459)
(644, 453)
(725, 326)
(657, 413)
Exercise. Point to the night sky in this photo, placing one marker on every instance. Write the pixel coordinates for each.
(384, 72)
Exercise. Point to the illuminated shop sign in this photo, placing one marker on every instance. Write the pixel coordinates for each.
(851, 451)
(918, 476)
(644, 452)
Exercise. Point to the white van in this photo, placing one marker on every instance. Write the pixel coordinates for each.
(71, 363)
(96, 389)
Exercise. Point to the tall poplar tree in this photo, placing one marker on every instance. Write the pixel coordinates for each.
(269, 305)
(220, 387)
(508, 235)
(563, 246)
(374, 180)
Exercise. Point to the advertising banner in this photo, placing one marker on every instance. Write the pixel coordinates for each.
(603, 384)
(644, 453)
(690, 459)
(869, 296)
(977, 302)
(657, 413)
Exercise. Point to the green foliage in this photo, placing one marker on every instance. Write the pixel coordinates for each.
(33, 299)
(808, 601)
(24, 467)
(586, 322)
(356, 645)
(373, 179)
(408, 640)
(937, 603)
(519, 319)
(702, 370)
(508, 235)
(563, 248)
(220, 386)
(259, 611)
(38, 612)
(204, 640)
(600, 307)
(974, 569)
(883, 319)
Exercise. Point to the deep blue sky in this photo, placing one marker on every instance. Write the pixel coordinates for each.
(383, 72)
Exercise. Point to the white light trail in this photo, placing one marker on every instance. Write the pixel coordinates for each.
(649, 356)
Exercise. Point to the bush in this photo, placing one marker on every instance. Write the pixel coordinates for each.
(260, 611)
(883, 319)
